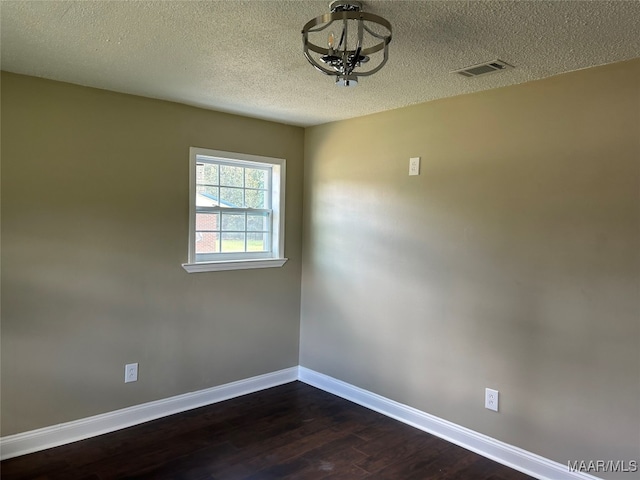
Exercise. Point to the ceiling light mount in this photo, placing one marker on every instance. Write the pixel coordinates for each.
(345, 6)
(361, 36)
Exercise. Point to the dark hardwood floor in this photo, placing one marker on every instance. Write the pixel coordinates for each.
(293, 431)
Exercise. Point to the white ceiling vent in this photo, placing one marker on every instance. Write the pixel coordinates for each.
(483, 68)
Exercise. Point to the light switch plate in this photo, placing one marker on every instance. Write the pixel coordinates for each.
(414, 166)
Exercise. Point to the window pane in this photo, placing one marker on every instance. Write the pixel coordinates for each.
(233, 221)
(207, 173)
(232, 210)
(233, 242)
(256, 198)
(257, 242)
(206, 196)
(231, 197)
(257, 222)
(231, 176)
(207, 242)
(255, 178)
(207, 221)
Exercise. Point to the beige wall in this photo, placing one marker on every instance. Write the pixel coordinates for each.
(512, 261)
(94, 231)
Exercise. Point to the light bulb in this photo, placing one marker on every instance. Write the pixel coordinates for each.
(331, 41)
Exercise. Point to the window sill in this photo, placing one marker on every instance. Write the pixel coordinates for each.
(234, 265)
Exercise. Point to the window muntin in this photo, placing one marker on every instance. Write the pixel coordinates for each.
(237, 207)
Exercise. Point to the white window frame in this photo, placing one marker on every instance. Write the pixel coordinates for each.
(241, 260)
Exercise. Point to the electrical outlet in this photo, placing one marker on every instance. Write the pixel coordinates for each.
(414, 166)
(130, 372)
(491, 399)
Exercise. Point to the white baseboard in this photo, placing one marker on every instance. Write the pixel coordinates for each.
(513, 457)
(48, 437)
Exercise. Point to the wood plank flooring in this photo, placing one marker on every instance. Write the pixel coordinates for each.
(293, 431)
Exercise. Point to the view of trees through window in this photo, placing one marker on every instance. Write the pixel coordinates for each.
(233, 207)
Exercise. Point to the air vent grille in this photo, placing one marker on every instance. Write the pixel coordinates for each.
(483, 68)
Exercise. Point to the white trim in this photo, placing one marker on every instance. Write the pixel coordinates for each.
(277, 186)
(53, 436)
(513, 457)
(234, 265)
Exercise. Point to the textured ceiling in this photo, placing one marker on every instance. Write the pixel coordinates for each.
(245, 56)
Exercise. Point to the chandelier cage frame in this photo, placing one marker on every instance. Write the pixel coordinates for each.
(344, 61)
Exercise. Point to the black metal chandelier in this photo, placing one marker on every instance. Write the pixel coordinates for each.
(361, 35)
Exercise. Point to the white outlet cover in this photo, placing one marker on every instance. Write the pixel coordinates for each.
(491, 399)
(130, 372)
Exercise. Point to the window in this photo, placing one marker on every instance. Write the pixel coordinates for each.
(236, 214)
